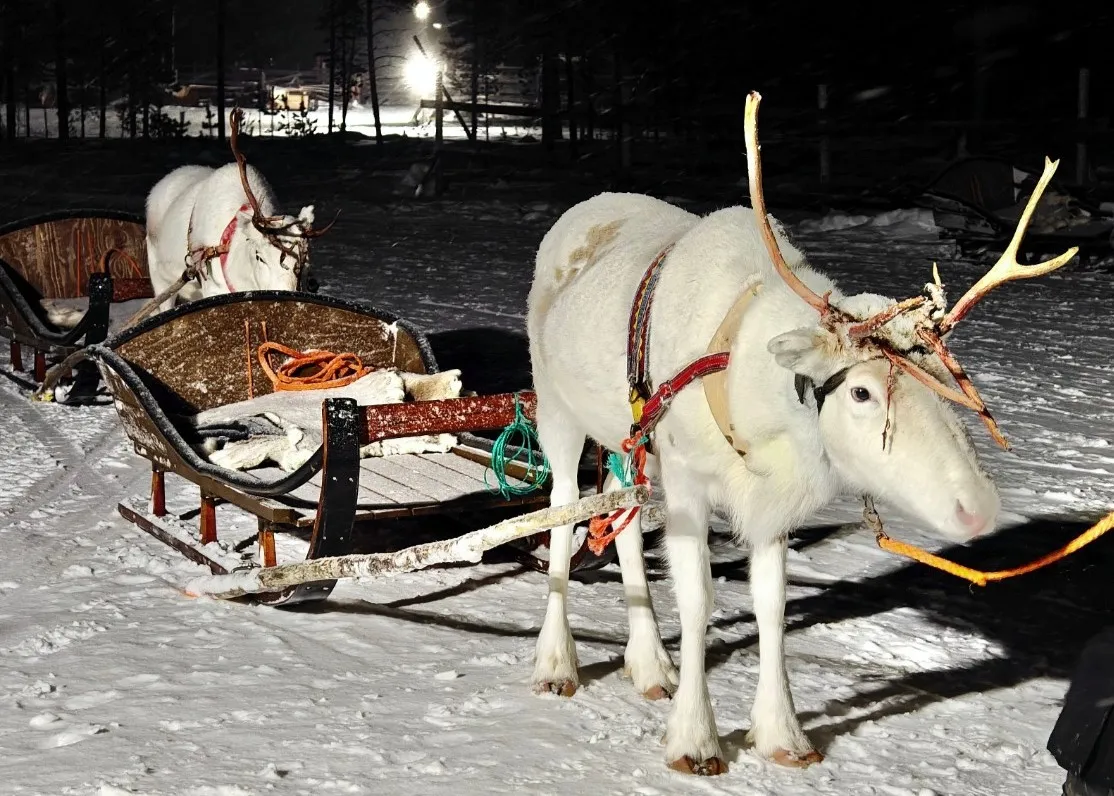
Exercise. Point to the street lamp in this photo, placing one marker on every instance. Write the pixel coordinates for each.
(421, 10)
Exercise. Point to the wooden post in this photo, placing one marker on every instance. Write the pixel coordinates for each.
(439, 110)
(16, 353)
(1081, 118)
(158, 491)
(208, 518)
(439, 131)
(266, 540)
(40, 366)
(624, 128)
(825, 155)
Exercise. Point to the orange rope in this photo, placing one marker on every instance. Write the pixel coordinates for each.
(978, 577)
(599, 537)
(316, 370)
(136, 269)
(247, 356)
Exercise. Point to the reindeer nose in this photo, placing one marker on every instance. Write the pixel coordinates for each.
(974, 523)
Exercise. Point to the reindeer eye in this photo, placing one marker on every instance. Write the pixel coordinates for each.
(860, 394)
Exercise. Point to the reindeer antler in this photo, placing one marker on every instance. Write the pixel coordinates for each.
(242, 162)
(930, 321)
(758, 202)
(265, 224)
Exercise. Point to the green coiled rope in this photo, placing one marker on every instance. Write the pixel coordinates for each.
(536, 473)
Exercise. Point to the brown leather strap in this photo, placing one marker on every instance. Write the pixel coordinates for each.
(715, 384)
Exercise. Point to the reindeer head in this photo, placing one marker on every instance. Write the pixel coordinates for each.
(878, 371)
(273, 255)
(278, 246)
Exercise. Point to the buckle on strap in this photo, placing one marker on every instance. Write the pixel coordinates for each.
(637, 399)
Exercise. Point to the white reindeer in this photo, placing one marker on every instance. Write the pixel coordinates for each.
(226, 218)
(798, 455)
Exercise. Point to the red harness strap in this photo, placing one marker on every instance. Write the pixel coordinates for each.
(663, 396)
(646, 408)
(221, 249)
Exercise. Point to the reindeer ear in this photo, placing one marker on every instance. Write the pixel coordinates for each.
(306, 216)
(807, 351)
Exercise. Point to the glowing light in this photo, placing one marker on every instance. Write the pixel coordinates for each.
(420, 74)
(421, 10)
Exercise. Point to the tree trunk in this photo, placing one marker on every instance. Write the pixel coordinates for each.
(551, 94)
(221, 21)
(369, 7)
(589, 104)
(9, 71)
(102, 100)
(62, 100)
(475, 70)
(622, 137)
(345, 92)
(332, 60)
(570, 93)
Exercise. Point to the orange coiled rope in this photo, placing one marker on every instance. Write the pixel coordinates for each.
(311, 370)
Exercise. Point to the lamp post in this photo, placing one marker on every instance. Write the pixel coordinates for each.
(423, 12)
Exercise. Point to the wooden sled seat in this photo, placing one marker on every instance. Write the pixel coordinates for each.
(202, 355)
(60, 256)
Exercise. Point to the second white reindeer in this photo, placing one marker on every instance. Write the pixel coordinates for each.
(225, 220)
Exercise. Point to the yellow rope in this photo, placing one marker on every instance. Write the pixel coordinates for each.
(978, 577)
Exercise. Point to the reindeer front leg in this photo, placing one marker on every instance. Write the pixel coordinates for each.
(774, 731)
(692, 741)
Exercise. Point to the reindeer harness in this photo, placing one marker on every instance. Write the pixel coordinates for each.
(648, 405)
(205, 254)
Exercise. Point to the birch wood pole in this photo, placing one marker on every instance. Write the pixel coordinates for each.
(469, 547)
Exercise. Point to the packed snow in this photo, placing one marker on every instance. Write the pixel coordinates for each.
(912, 683)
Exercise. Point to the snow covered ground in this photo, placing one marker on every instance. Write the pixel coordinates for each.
(911, 682)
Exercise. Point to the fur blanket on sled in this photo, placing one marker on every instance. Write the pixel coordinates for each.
(66, 313)
(284, 428)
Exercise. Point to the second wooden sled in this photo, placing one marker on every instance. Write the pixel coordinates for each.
(59, 256)
(196, 356)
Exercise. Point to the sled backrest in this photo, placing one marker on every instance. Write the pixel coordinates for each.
(986, 183)
(52, 256)
(205, 354)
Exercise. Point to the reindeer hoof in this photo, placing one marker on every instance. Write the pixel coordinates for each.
(711, 767)
(657, 692)
(565, 688)
(793, 760)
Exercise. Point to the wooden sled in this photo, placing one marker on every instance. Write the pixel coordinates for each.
(196, 357)
(977, 201)
(59, 256)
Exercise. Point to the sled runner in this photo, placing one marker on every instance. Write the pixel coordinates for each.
(64, 276)
(978, 200)
(204, 356)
